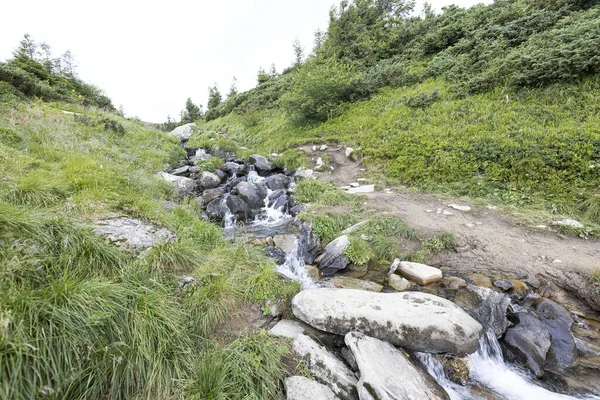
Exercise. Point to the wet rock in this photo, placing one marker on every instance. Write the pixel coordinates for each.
(237, 181)
(308, 243)
(216, 209)
(453, 282)
(503, 285)
(297, 210)
(387, 374)
(278, 200)
(490, 309)
(333, 258)
(314, 273)
(277, 182)
(185, 186)
(347, 282)
(262, 165)
(182, 171)
(231, 168)
(326, 368)
(419, 273)
(287, 243)
(132, 234)
(356, 271)
(208, 180)
(184, 132)
(558, 321)
(221, 174)
(301, 388)
(481, 280)
(238, 208)
(200, 155)
(413, 320)
(519, 289)
(276, 253)
(456, 368)
(528, 341)
(253, 194)
(399, 283)
(210, 194)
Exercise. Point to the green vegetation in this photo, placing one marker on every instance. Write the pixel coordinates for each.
(323, 193)
(358, 251)
(431, 246)
(328, 226)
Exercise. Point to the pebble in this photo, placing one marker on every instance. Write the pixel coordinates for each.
(556, 261)
(323, 147)
(446, 212)
(314, 148)
(428, 211)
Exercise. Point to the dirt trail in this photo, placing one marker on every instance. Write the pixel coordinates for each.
(486, 240)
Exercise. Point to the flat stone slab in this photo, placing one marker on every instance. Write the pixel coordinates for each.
(419, 273)
(386, 373)
(132, 234)
(362, 189)
(348, 282)
(301, 388)
(413, 320)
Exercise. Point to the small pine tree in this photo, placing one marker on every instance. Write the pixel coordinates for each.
(233, 90)
(193, 111)
(68, 65)
(45, 55)
(214, 97)
(27, 49)
(262, 76)
(298, 53)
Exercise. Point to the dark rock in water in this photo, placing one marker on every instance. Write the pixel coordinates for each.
(236, 181)
(253, 194)
(210, 194)
(262, 165)
(238, 208)
(209, 180)
(333, 258)
(297, 210)
(490, 311)
(276, 253)
(277, 182)
(558, 321)
(216, 210)
(231, 168)
(288, 172)
(308, 244)
(274, 196)
(182, 171)
(278, 200)
(503, 285)
(222, 175)
(528, 341)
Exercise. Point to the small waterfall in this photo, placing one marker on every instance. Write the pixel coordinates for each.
(269, 214)
(253, 177)
(436, 369)
(295, 269)
(229, 221)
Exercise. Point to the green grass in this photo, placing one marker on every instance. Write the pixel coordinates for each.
(358, 251)
(324, 193)
(531, 148)
(291, 159)
(328, 226)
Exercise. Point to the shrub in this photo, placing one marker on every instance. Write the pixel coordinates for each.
(358, 251)
(422, 100)
(438, 243)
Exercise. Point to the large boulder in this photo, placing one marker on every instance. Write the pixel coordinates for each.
(528, 342)
(308, 244)
(326, 367)
(210, 194)
(184, 132)
(185, 186)
(419, 273)
(558, 321)
(238, 208)
(491, 310)
(416, 321)
(253, 194)
(386, 373)
(208, 180)
(301, 388)
(216, 209)
(278, 182)
(278, 199)
(262, 165)
(132, 234)
(292, 329)
(333, 258)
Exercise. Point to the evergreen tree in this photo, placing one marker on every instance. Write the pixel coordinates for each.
(233, 90)
(27, 49)
(68, 65)
(214, 97)
(298, 53)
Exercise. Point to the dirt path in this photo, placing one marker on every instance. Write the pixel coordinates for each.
(486, 240)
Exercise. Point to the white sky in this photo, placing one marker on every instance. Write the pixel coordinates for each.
(150, 56)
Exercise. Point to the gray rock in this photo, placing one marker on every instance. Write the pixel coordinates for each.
(348, 282)
(185, 186)
(210, 194)
(568, 222)
(291, 329)
(182, 171)
(262, 165)
(277, 254)
(277, 182)
(528, 341)
(184, 132)
(297, 210)
(216, 209)
(287, 243)
(558, 321)
(399, 283)
(326, 368)
(208, 180)
(308, 244)
(132, 234)
(491, 309)
(231, 168)
(419, 273)
(503, 285)
(387, 374)
(221, 174)
(301, 388)
(277, 199)
(253, 194)
(362, 189)
(333, 258)
(238, 208)
(414, 320)
(303, 173)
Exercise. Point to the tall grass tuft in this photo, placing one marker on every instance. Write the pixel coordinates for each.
(591, 208)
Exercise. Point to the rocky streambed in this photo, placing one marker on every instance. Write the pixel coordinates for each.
(413, 332)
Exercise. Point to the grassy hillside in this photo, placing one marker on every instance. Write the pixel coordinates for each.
(495, 102)
(80, 318)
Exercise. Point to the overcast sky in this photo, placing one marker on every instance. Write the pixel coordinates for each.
(150, 56)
